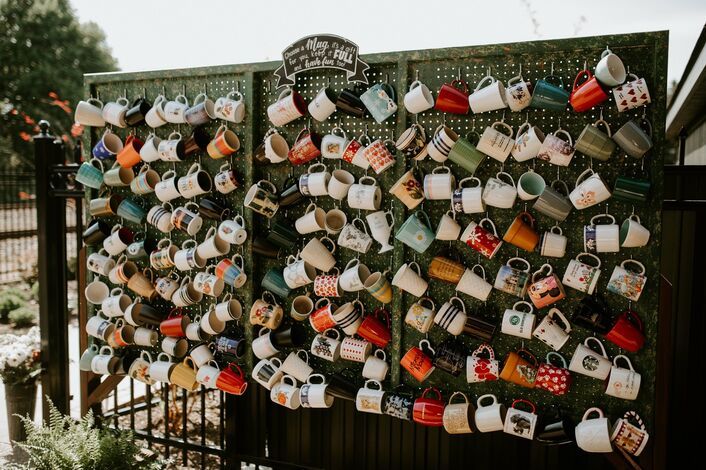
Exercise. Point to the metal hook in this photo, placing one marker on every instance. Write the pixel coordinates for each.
(183, 89)
(601, 114)
(125, 93)
(633, 211)
(473, 124)
(164, 91)
(585, 64)
(459, 74)
(416, 118)
(237, 86)
(268, 86)
(552, 69)
(520, 70)
(144, 92)
(644, 112)
(557, 173)
(387, 77)
(559, 126)
(527, 117)
(416, 74)
(503, 118)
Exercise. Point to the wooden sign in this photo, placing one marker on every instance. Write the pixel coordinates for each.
(321, 51)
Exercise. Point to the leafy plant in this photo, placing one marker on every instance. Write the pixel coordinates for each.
(19, 357)
(9, 301)
(23, 317)
(67, 444)
(34, 290)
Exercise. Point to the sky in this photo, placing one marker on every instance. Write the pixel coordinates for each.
(165, 34)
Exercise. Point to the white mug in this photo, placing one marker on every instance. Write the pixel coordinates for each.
(155, 116)
(298, 272)
(440, 184)
(150, 149)
(553, 243)
(581, 276)
(175, 347)
(327, 347)
(323, 105)
(354, 349)
(409, 278)
(316, 254)
(114, 112)
(529, 141)
(495, 143)
(90, 113)
(623, 382)
(468, 200)
(174, 110)
(368, 399)
(450, 317)
(233, 231)
(448, 228)
(632, 233)
(262, 346)
(354, 275)
(207, 375)
(499, 193)
(268, 372)
(628, 282)
(354, 236)
(315, 395)
(517, 93)
(313, 220)
(475, 285)
(225, 180)
(490, 417)
(315, 183)
(334, 221)
(333, 144)
(593, 435)
(376, 366)
(518, 323)
(530, 185)
(195, 183)
(610, 71)
(441, 143)
(230, 107)
(381, 228)
(590, 189)
(286, 393)
(488, 98)
(555, 150)
(589, 362)
(418, 99)
(201, 355)
(601, 238)
(552, 333)
(340, 183)
(167, 189)
(297, 365)
(421, 317)
(365, 194)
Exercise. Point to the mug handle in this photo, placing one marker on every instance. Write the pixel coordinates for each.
(523, 302)
(584, 73)
(484, 347)
(522, 260)
(457, 393)
(306, 355)
(545, 269)
(492, 225)
(460, 302)
(483, 80)
(598, 341)
(384, 356)
(483, 397)
(525, 401)
(428, 299)
(428, 345)
(633, 261)
(287, 91)
(426, 217)
(605, 124)
(374, 382)
(599, 216)
(504, 173)
(528, 356)
(634, 416)
(624, 357)
(565, 133)
(591, 410)
(419, 270)
(507, 126)
(440, 168)
(333, 245)
(583, 176)
(632, 317)
(455, 84)
(309, 381)
(363, 229)
(433, 390)
(556, 312)
(551, 354)
(333, 330)
(470, 178)
(596, 258)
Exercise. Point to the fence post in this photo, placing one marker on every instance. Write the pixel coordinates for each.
(51, 240)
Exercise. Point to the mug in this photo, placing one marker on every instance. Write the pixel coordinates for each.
(552, 243)
(450, 356)
(376, 367)
(458, 417)
(326, 285)
(334, 221)
(290, 105)
(586, 92)
(297, 365)
(96, 232)
(266, 313)
(630, 437)
(89, 113)
(595, 143)
(627, 282)
(623, 382)
(298, 273)
(381, 224)
(453, 98)
(590, 190)
(601, 238)
(365, 194)
(409, 278)
(474, 284)
(445, 269)
(589, 362)
(228, 309)
(187, 219)
(325, 346)
(429, 411)
(521, 423)
(160, 369)
(631, 190)
(315, 394)
(160, 216)
(318, 255)
(114, 112)
(172, 149)
(349, 103)
(482, 369)
(582, 276)
(155, 116)
(232, 380)
(468, 200)
(530, 185)
(593, 435)
(307, 146)
(267, 372)
(139, 369)
(379, 287)
(175, 347)
(129, 156)
(520, 368)
(398, 404)
(184, 375)
(549, 94)
(225, 180)
(313, 220)
(208, 374)
(415, 232)
(627, 331)
(529, 140)
(230, 107)
(518, 93)
(440, 184)
(167, 188)
(202, 111)
(553, 330)
(545, 288)
(145, 337)
(417, 362)
(478, 328)
(369, 399)
(555, 150)
(321, 319)
(499, 193)
(99, 326)
(522, 233)
(632, 94)
(301, 307)
(174, 110)
(552, 378)
(225, 143)
(593, 314)
(115, 304)
(489, 418)
(233, 230)
(451, 318)
(488, 98)
(349, 317)
(379, 156)
(497, 144)
(90, 173)
(632, 233)
(420, 316)
(123, 271)
(315, 183)
(108, 146)
(354, 236)
(418, 99)
(610, 70)
(262, 198)
(120, 237)
(105, 362)
(195, 183)
(512, 280)
(136, 114)
(518, 323)
(408, 190)
(275, 283)
(354, 349)
(481, 239)
(262, 346)
(96, 292)
(188, 257)
(334, 144)
(131, 211)
(323, 105)
(413, 142)
(553, 202)
(354, 274)
(339, 184)
(441, 143)
(379, 99)
(186, 294)
(354, 153)
(163, 256)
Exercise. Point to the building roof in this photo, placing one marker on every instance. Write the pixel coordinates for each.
(689, 100)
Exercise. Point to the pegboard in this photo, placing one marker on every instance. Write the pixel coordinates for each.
(644, 53)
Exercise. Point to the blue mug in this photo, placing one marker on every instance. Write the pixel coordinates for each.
(275, 283)
(415, 232)
(108, 147)
(549, 95)
(380, 101)
(90, 173)
(130, 210)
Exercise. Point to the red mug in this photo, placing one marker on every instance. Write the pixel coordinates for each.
(552, 378)
(429, 411)
(322, 319)
(175, 324)
(627, 332)
(129, 156)
(417, 362)
(482, 240)
(232, 380)
(374, 330)
(306, 148)
(453, 98)
(586, 94)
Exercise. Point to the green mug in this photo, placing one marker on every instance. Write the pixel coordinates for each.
(90, 174)
(131, 211)
(283, 236)
(465, 154)
(548, 95)
(415, 232)
(274, 282)
(595, 143)
(631, 190)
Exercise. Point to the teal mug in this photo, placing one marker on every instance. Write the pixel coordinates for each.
(595, 143)
(548, 94)
(274, 282)
(131, 211)
(84, 363)
(465, 154)
(415, 232)
(90, 173)
(283, 235)
(380, 101)
(631, 190)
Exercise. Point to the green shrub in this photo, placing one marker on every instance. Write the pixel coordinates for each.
(66, 444)
(8, 302)
(23, 317)
(34, 291)
(17, 291)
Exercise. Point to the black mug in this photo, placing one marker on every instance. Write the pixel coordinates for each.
(283, 235)
(555, 428)
(259, 155)
(593, 313)
(398, 404)
(196, 142)
(478, 328)
(136, 114)
(96, 232)
(230, 348)
(349, 102)
(291, 194)
(212, 209)
(144, 314)
(450, 357)
(295, 336)
(262, 247)
(341, 386)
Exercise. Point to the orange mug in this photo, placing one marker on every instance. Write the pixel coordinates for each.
(129, 156)
(417, 362)
(521, 232)
(232, 380)
(445, 269)
(520, 368)
(225, 143)
(586, 92)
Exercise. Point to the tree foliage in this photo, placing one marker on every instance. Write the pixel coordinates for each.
(44, 52)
